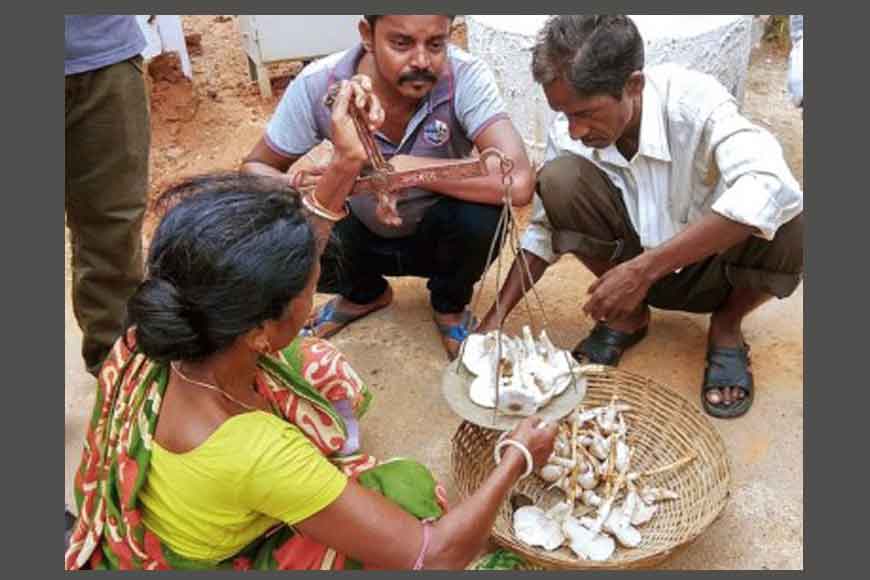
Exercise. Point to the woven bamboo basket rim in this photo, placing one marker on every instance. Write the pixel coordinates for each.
(663, 427)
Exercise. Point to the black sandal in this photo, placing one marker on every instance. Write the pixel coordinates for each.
(605, 346)
(728, 368)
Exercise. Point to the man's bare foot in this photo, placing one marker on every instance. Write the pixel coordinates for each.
(329, 319)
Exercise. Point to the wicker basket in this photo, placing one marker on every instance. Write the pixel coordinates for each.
(663, 427)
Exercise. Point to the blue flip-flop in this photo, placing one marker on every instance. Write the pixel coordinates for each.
(458, 332)
(329, 314)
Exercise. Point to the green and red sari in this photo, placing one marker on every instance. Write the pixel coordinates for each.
(301, 383)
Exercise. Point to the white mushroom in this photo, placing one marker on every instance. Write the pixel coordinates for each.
(631, 501)
(551, 473)
(601, 548)
(590, 523)
(548, 345)
(590, 498)
(600, 446)
(556, 357)
(618, 523)
(628, 536)
(583, 417)
(650, 495)
(591, 464)
(479, 352)
(548, 380)
(562, 483)
(533, 527)
(524, 365)
(513, 401)
(587, 543)
(562, 461)
(623, 428)
(510, 348)
(561, 446)
(529, 346)
(622, 456)
(643, 513)
(560, 511)
(482, 391)
(587, 478)
(607, 420)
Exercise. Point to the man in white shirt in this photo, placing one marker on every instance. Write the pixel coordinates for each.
(665, 192)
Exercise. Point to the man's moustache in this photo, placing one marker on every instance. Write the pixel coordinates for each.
(418, 76)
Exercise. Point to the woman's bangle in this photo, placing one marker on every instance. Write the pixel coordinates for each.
(427, 535)
(309, 200)
(530, 464)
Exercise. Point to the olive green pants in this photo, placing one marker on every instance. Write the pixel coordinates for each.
(589, 220)
(108, 136)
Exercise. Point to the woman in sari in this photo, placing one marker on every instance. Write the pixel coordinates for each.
(219, 439)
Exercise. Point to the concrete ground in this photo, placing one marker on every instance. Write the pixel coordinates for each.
(399, 353)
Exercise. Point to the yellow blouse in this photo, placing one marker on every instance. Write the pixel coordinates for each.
(255, 471)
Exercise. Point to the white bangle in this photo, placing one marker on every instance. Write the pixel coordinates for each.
(311, 203)
(530, 464)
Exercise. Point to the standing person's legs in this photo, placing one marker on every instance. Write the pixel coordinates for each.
(450, 248)
(108, 137)
(353, 268)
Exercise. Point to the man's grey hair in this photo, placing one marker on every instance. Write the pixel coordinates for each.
(595, 54)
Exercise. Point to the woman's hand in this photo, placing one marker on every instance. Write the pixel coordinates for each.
(367, 102)
(366, 526)
(538, 436)
(305, 178)
(356, 92)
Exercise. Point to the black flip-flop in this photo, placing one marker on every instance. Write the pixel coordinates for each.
(605, 345)
(728, 368)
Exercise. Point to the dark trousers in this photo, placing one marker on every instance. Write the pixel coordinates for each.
(107, 140)
(589, 219)
(449, 248)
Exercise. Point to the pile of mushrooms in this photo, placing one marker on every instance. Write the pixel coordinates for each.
(528, 372)
(605, 500)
